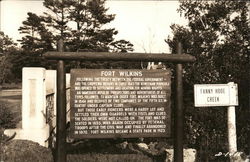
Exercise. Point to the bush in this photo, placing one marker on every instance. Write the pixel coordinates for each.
(6, 117)
(25, 151)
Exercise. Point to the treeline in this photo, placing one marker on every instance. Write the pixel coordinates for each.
(217, 34)
(81, 24)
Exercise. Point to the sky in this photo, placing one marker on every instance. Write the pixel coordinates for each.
(145, 23)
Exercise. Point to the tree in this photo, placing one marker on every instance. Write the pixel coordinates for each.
(6, 43)
(218, 35)
(36, 41)
(37, 38)
(57, 18)
(80, 23)
(89, 18)
(6, 47)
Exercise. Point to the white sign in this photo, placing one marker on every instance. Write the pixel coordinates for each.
(206, 95)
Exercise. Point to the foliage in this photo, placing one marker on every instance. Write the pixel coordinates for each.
(26, 151)
(218, 35)
(37, 38)
(6, 117)
(89, 18)
(7, 46)
(6, 43)
(82, 25)
(22, 58)
(5, 69)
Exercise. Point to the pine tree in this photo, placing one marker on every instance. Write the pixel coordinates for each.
(88, 33)
(36, 37)
(57, 18)
(81, 23)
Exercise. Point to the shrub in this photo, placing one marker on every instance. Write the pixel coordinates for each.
(25, 151)
(6, 117)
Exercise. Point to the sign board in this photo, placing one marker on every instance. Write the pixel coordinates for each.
(206, 95)
(108, 103)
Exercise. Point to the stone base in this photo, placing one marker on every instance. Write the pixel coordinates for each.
(189, 155)
(36, 135)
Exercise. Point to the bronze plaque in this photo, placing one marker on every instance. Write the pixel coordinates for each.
(120, 103)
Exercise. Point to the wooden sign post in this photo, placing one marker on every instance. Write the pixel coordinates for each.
(178, 59)
(208, 95)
